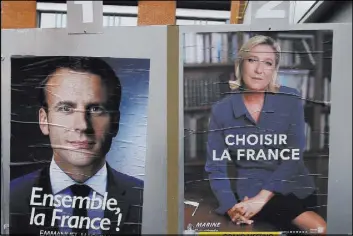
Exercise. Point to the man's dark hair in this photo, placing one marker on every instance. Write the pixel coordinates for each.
(93, 65)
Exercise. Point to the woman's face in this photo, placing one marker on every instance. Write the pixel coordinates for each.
(259, 67)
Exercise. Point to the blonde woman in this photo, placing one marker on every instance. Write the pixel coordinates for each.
(281, 190)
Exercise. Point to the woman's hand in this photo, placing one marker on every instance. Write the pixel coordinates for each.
(237, 217)
(252, 206)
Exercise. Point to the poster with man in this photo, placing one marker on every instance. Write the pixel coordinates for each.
(78, 144)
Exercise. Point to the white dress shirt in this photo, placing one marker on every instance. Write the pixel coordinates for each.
(60, 184)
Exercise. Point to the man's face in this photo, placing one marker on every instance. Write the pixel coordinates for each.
(78, 122)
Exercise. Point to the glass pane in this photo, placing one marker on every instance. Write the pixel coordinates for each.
(128, 21)
(111, 20)
(116, 21)
(185, 22)
(105, 20)
(47, 20)
(64, 20)
(216, 22)
(58, 20)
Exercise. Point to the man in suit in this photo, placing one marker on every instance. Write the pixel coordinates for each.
(80, 99)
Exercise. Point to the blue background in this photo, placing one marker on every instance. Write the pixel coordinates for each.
(128, 151)
(30, 149)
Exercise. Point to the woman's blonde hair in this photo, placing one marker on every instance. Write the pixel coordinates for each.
(252, 42)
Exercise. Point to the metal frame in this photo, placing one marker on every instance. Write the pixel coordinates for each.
(339, 210)
(122, 42)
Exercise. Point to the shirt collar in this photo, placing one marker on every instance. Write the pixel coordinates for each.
(239, 108)
(60, 181)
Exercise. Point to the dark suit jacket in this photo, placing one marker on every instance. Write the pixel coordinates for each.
(127, 190)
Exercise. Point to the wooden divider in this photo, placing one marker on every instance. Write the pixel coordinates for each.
(18, 14)
(172, 130)
(237, 11)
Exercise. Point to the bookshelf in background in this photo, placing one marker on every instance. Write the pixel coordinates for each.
(209, 65)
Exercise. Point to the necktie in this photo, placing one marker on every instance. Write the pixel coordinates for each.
(82, 191)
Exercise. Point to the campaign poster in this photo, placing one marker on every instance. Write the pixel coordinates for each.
(78, 144)
(256, 130)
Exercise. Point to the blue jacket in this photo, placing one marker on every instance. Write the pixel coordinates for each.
(282, 113)
(127, 190)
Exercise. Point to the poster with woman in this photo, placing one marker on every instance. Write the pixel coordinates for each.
(256, 130)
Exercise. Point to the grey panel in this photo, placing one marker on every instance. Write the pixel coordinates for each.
(84, 17)
(340, 171)
(267, 13)
(339, 207)
(122, 42)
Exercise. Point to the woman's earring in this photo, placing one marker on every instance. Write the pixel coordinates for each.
(232, 84)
